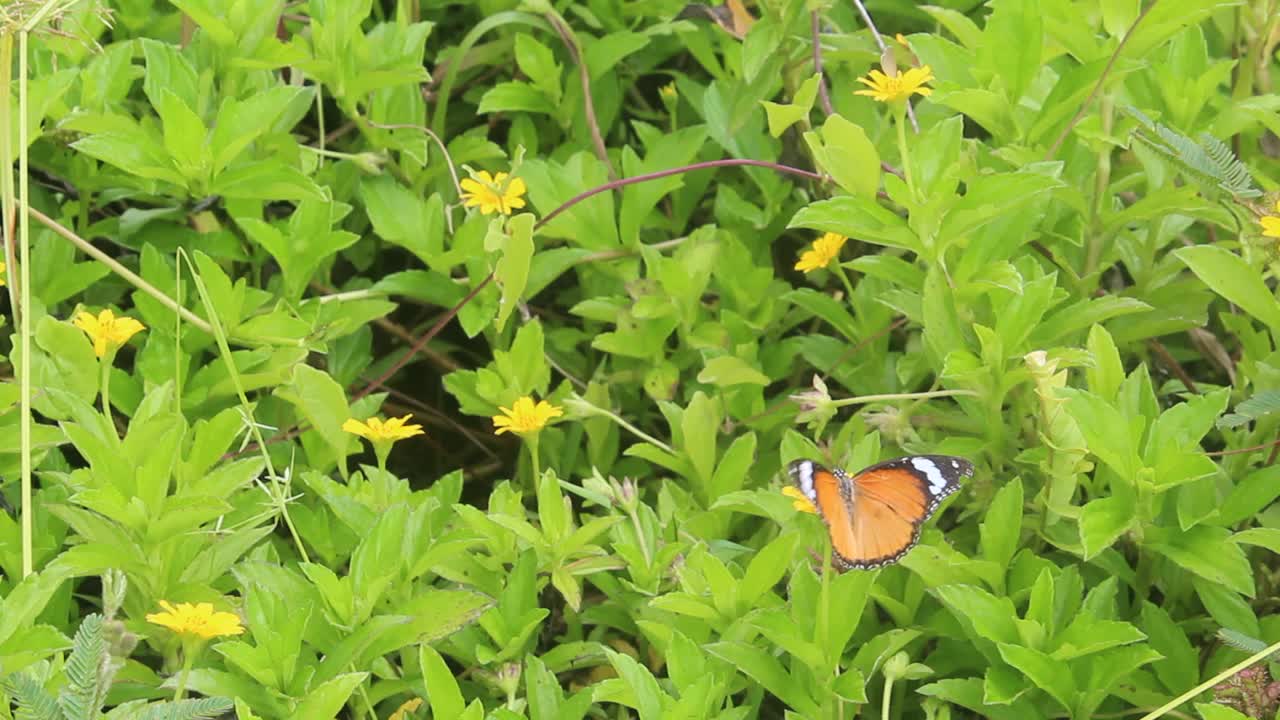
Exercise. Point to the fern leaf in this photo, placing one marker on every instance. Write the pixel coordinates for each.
(86, 689)
(1208, 162)
(1236, 177)
(1244, 643)
(198, 709)
(32, 700)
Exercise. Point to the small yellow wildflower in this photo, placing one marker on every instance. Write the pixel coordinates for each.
(668, 91)
(107, 331)
(380, 431)
(798, 500)
(405, 708)
(525, 417)
(3, 267)
(900, 86)
(198, 619)
(1271, 223)
(493, 193)
(825, 249)
(902, 40)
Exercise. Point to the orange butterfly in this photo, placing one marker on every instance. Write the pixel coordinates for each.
(874, 517)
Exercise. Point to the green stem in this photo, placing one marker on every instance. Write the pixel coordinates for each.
(888, 695)
(844, 278)
(1242, 665)
(24, 290)
(189, 648)
(104, 377)
(531, 441)
(905, 152)
(902, 396)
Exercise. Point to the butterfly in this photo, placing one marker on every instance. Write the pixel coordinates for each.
(874, 517)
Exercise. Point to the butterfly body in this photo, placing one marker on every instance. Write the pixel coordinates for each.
(874, 517)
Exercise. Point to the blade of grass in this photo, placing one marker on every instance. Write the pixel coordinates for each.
(279, 492)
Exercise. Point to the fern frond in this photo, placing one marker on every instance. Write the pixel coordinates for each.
(197, 709)
(86, 688)
(1209, 162)
(1236, 177)
(1244, 643)
(32, 700)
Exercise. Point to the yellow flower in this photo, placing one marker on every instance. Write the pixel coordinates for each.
(405, 708)
(902, 40)
(493, 193)
(798, 500)
(525, 417)
(668, 91)
(199, 620)
(900, 86)
(107, 331)
(1270, 224)
(3, 267)
(379, 431)
(825, 249)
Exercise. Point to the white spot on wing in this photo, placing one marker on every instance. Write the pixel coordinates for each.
(937, 483)
(805, 476)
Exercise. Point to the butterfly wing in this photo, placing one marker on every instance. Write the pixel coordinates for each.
(874, 517)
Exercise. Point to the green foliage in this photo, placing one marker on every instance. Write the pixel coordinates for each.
(584, 219)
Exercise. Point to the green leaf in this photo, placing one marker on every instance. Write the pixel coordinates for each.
(323, 403)
(538, 63)
(512, 269)
(827, 308)
(1002, 524)
(1051, 675)
(330, 697)
(858, 217)
(848, 155)
(1110, 435)
(1252, 493)
(781, 117)
(1011, 44)
(515, 96)
(400, 216)
(1207, 552)
(1102, 522)
(990, 617)
(727, 371)
(1180, 667)
(266, 180)
(1231, 277)
(765, 669)
(647, 697)
(442, 687)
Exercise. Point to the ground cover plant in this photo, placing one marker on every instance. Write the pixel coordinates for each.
(413, 358)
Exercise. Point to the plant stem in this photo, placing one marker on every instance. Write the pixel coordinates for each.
(104, 372)
(888, 695)
(24, 289)
(844, 278)
(119, 269)
(531, 441)
(903, 396)
(1242, 665)
(905, 152)
(615, 184)
(189, 649)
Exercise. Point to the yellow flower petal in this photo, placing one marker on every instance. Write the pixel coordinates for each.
(825, 249)
(1270, 226)
(799, 501)
(525, 417)
(498, 193)
(106, 330)
(381, 431)
(199, 620)
(892, 88)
